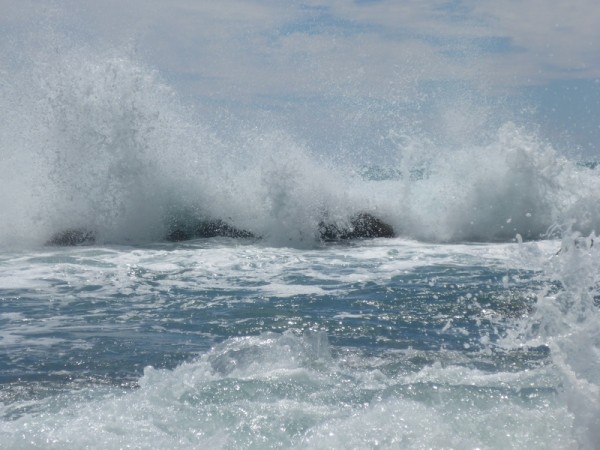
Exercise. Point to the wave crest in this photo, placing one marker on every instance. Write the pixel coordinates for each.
(98, 141)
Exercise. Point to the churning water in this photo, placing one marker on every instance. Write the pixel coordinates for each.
(477, 327)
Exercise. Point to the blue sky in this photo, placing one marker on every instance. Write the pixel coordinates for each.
(342, 73)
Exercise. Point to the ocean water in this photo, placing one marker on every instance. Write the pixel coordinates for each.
(476, 327)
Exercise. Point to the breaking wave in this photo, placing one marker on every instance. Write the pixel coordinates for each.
(98, 141)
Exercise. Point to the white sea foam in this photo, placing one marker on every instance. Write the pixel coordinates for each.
(297, 391)
(283, 390)
(567, 320)
(262, 269)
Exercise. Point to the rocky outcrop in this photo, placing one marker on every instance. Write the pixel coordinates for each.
(72, 237)
(206, 229)
(362, 226)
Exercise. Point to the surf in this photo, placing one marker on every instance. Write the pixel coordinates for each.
(98, 142)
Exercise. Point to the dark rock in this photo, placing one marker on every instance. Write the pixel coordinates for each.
(206, 229)
(72, 237)
(178, 235)
(363, 225)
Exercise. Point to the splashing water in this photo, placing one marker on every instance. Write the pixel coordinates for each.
(292, 343)
(96, 140)
(566, 320)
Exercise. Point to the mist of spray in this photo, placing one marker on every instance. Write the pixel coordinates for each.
(97, 140)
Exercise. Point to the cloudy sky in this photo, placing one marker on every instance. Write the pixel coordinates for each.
(335, 68)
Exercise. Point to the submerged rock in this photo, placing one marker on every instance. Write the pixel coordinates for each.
(72, 237)
(363, 225)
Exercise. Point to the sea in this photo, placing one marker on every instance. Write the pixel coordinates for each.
(476, 326)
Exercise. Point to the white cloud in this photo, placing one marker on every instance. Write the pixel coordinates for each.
(558, 37)
(269, 46)
(245, 52)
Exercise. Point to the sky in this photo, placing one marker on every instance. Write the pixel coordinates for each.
(343, 73)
